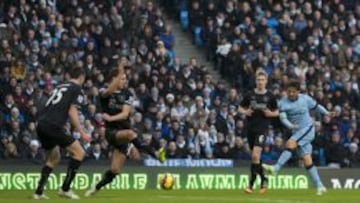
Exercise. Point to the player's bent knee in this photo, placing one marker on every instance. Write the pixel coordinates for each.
(53, 162)
(115, 170)
(79, 154)
(291, 144)
(56, 160)
(307, 161)
(255, 157)
(82, 154)
(132, 135)
(53, 159)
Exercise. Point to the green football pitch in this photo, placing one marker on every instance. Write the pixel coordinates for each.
(193, 196)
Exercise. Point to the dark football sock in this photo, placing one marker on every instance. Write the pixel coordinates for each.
(106, 179)
(262, 175)
(45, 172)
(253, 175)
(71, 172)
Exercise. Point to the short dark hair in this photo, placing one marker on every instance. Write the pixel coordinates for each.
(76, 72)
(295, 84)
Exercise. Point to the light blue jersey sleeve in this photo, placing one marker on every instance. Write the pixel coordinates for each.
(283, 115)
(313, 105)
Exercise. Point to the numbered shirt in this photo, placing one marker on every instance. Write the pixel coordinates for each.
(113, 105)
(58, 105)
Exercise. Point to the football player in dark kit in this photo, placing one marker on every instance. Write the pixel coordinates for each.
(62, 104)
(259, 106)
(116, 103)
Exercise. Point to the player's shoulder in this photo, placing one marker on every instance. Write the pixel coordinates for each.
(124, 93)
(249, 93)
(127, 92)
(71, 86)
(304, 96)
(283, 100)
(269, 93)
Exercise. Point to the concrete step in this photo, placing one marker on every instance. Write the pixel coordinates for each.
(185, 49)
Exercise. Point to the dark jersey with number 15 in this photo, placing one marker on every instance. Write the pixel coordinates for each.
(113, 104)
(57, 106)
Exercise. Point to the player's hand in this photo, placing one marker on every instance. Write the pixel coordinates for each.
(294, 127)
(249, 112)
(268, 113)
(107, 117)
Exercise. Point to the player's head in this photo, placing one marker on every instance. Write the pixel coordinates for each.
(293, 90)
(119, 76)
(261, 79)
(78, 74)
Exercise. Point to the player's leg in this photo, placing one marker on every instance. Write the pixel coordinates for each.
(253, 173)
(52, 159)
(291, 146)
(305, 151)
(128, 135)
(117, 162)
(77, 155)
(311, 168)
(256, 168)
(256, 160)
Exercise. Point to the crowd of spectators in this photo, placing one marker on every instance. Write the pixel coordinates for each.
(177, 103)
(316, 42)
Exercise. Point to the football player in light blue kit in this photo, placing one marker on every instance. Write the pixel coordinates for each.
(295, 114)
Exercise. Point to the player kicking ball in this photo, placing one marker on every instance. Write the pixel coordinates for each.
(295, 114)
(116, 103)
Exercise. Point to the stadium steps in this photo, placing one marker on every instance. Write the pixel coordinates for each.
(185, 49)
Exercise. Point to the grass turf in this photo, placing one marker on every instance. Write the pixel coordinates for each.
(193, 196)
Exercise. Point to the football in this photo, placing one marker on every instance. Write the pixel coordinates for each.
(167, 181)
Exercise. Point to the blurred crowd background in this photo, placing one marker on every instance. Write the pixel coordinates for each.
(177, 104)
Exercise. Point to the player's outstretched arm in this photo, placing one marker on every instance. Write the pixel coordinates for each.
(314, 106)
(113, 86)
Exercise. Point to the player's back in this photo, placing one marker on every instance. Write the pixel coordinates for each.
(57, 106)
(297, 111)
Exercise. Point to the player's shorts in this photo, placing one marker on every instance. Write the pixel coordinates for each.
(51, 136)
(256, 139)
(110, 136)
(304, 137)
